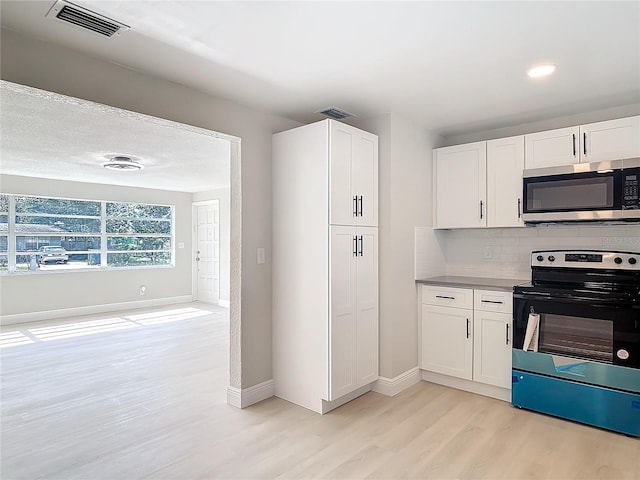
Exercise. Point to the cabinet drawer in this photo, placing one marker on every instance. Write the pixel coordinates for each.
(493, 301)
(447, 296)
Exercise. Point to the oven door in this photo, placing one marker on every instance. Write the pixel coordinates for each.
(580, 329)
(585, 366)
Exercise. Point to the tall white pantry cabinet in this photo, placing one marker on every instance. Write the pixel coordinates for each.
(325, 264)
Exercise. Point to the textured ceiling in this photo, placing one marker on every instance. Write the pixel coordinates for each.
(52, 136)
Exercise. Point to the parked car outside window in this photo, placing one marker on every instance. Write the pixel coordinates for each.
(52, 254)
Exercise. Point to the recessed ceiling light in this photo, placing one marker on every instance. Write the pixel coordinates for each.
(541, 70)
(122, 163)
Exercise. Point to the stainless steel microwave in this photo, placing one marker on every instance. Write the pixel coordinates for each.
(606, 191)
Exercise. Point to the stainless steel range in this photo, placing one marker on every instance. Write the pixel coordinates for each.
(576, 338)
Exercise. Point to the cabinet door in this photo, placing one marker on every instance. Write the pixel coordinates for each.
(367, 311)
(552, 148)
(343, 311)
(505, 162)
(492, 348)
(610, 140)
(365, 177)
(342, 201)
(447, 340)
(353, 176)
(460, 186)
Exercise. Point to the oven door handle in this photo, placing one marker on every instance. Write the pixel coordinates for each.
(567, 299)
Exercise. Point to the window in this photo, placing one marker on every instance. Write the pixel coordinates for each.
(138, 234)
(4, 233)
(56, 234)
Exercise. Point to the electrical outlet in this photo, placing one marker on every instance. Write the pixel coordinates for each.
(488, 254)
(143, 290)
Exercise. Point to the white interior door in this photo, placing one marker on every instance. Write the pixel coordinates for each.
(208, 252)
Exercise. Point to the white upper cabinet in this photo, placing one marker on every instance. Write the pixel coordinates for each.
(552, 148)
(505, 162)
(611, 140)
(595, 142)
(479, 184)
(353, 176)
(460, 186)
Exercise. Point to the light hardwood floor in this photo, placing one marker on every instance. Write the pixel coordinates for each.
(148, 401)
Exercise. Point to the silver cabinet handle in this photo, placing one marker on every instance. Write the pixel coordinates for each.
(481, 213)
(444, 296)
(355, 246)
(361, 246)
(492, 301)
(574, 144)
(355, 206)
(584, 143)
(507, 334)
(467, 328)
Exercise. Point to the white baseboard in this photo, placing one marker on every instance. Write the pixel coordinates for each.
(467, 385)
(90, 310)
(393, 386)
(248, 396)
(224, 303)
(328, 406)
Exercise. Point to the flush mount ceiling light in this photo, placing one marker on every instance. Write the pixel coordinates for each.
(122, 163)
(541, 70)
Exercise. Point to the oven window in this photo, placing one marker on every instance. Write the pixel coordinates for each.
(587, 338)
(574, 194)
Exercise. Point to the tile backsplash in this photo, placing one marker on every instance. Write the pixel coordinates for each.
(506, 252)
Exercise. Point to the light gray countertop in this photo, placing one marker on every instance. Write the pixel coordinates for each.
(504, 284)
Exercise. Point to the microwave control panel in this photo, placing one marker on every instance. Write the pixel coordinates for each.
(630, 198)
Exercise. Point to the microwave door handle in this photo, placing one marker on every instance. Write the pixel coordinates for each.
(519, 213)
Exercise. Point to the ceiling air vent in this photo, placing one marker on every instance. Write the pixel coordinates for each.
(81, 17)
(335, 113)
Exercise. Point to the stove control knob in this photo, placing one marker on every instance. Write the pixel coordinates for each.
(618, 260)
(632, 261)
(540, 258)
(552, 258)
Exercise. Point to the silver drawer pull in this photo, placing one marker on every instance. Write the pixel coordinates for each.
(444, 296)
(492, 301)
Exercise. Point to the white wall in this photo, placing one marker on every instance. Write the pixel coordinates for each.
(29, 293)
(223, 195)
(463, 250)
(404, 192)
(38, 64)
(542, 125)
(511, 248)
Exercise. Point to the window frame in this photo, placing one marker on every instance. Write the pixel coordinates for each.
(12, 236)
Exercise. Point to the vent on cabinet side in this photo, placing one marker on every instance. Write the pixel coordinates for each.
(84, 18)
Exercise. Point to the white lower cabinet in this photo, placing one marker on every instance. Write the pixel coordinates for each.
(447, 343)
(470, 340)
